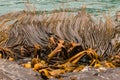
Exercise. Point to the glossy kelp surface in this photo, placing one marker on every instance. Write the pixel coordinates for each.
(60, 42)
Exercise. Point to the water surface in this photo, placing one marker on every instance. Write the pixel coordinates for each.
(96, 7)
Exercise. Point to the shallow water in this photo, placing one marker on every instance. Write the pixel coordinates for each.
(96, 7)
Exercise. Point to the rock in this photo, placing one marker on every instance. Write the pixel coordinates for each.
(93, 74)
(12, 71)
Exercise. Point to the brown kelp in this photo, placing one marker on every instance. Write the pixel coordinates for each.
(60, 42)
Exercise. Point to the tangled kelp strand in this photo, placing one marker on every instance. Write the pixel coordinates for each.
(59, 42)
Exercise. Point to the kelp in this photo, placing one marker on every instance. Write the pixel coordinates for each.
(60, 42)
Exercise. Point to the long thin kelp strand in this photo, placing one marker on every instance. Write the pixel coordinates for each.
(59, 42)
(79, 28)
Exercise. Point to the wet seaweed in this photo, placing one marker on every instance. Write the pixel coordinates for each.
(60, 42)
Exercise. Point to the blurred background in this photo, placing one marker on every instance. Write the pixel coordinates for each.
(96, 7)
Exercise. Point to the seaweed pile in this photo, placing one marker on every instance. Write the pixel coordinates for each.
(60, 42)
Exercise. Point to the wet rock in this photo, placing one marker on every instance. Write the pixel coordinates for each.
(12, 71)
(93, 74)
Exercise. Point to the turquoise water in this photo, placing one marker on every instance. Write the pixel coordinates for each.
(96, 7)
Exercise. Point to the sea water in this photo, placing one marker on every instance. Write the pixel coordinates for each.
(96, 7)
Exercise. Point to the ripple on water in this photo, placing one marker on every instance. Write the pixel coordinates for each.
(94, 6)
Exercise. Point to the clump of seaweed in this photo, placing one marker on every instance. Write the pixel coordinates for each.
(59, 42)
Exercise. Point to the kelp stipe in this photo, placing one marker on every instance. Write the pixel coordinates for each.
(61, 41)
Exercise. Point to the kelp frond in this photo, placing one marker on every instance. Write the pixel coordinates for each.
(64, 41)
